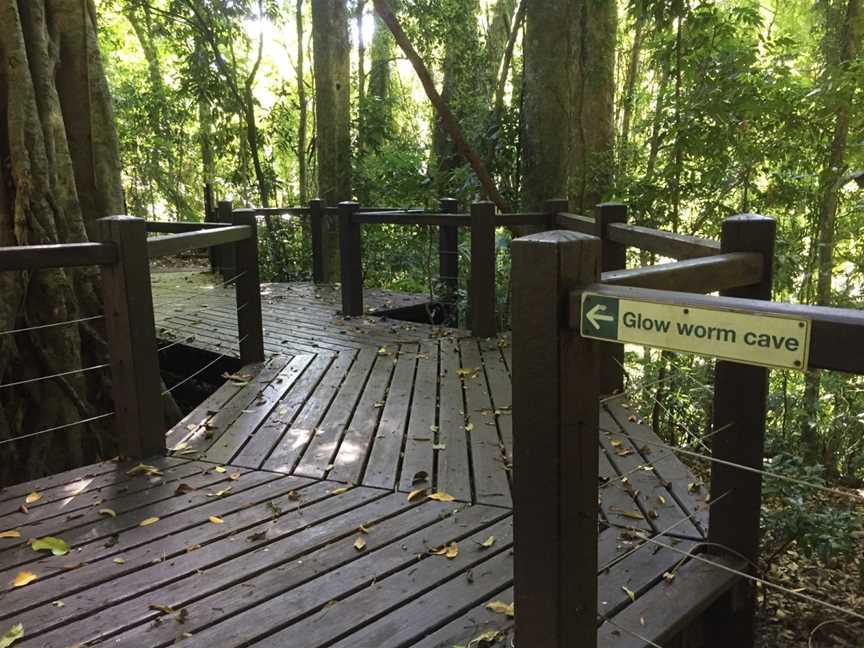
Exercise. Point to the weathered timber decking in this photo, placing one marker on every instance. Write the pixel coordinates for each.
(299, 318)
(285, 516)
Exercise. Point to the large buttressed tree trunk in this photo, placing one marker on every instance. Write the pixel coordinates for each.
(332, 66)
(567, 116)
(59, 171)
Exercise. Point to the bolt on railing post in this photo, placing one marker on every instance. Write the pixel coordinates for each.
(555, 436)
(482, 288)
(250, 328)
(448, 252)
(227, 261)
(740, 403)
(316, 229)
(613, 256)
(131, 335)
(351, 268)
(552, 208)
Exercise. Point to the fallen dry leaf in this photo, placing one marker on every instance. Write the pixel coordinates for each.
(488, 542)
(107, 511)
(234, 476)
(183, 488)
(450, 551)
(442, 497)
(339, 491)
(148, 521)
(24, 578)
(630, 593)
(33, 497)
(500, 607)
(215, 519)
(220, 469)
(359, 544)
(12, 635)
(10, 534)
(144, 469)
(416, 494)
(120, 561)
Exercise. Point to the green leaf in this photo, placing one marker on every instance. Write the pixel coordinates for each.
(56, 546)
(12, 635)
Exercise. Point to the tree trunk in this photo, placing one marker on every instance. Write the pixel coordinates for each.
(59, 171)
(378, 115)
(848, 22)
(332, 51)
(630, 83)
(302, 117)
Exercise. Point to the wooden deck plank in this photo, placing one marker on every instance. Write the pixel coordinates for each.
(616, 498)
(260, 445)
(254, 415)
(385, 456)
(471, 625)
(667, 466)
(491, 484)
(419, 455)
(500, 391)
(325, 442)
(296, 435)
(453, 467)
(350, 459)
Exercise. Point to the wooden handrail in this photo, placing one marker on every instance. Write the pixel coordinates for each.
(575, 222)
(668, 244)
(703, 275)
(411, 218)
(38, 257)
(174, 243)
(836, 334)
(173, 227)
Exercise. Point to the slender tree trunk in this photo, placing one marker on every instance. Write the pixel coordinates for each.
(846, 19)
(630, 83)
(332, 52)
(302, 117)
(361, 77)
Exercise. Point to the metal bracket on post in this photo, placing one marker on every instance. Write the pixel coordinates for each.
(555, 437)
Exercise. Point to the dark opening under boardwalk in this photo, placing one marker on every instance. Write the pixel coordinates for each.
(285, 517)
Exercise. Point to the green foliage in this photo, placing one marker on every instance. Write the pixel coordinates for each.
(794, 513)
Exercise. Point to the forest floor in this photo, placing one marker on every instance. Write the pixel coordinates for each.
(786, 621)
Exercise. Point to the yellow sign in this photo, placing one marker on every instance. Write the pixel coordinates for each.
(741, 336)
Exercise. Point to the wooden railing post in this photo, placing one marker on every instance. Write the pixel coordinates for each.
(209, 217)
(350, 262)
(482, 288)
(552, 208)
(613, 256)
(740, 402)
(555, 448)
(227, 261)
(250, 328)
(448, 252)
(316, 229)
(131, 337)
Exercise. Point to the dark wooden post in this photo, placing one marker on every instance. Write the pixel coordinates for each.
(553, 207)
(555, 432)
(613, 256)
(350, 263)
(448, 251)
(131, 333)
(209, 217)
(250, 328)
(316, 229)
(740, 402)
(482, 288)
(227, 260)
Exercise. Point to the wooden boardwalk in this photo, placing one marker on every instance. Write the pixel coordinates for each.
(299, 318)
(357, 496)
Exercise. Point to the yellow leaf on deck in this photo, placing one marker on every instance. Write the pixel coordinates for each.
(108, 511)
(220, 469)
(148, 521)
(500, 607)
(469, 427)
(10, 534)
(416, 494)
(23, 578)
(633, 515)
(234, 476)
(120, 561)
(33, 497)
(450, 551)
(488, 542)
(359, 544)
(629, 592)
(215, 519)
(56, 546)
(12, 635)
(442, 497)
(341, 490)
